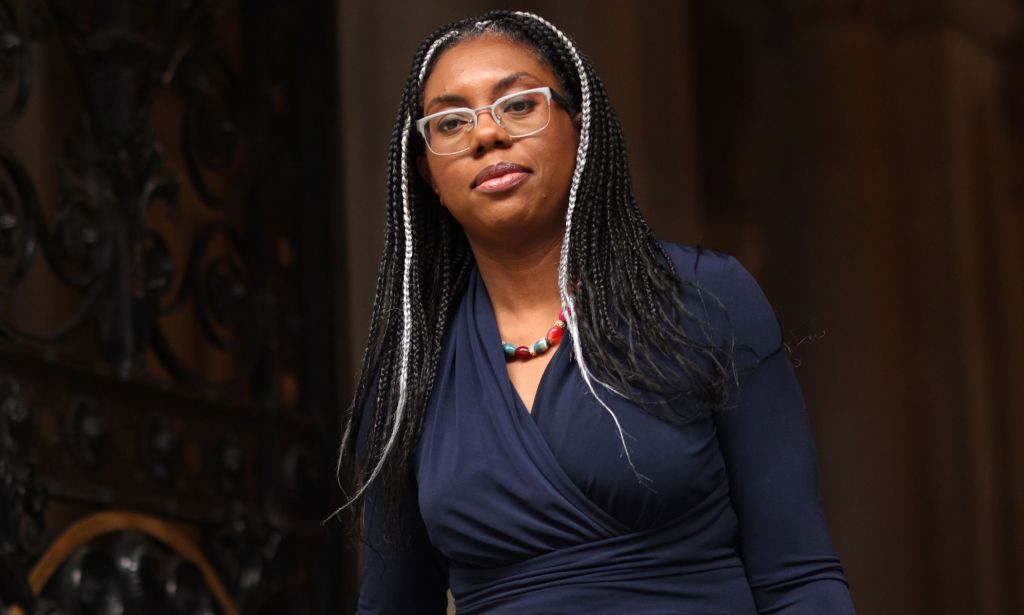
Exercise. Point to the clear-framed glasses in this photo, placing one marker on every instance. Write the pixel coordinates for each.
(521, 114)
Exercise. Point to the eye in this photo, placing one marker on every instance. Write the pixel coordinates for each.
(449, 124)
(520, 105)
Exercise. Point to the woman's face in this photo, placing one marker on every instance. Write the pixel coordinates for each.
(501, 189)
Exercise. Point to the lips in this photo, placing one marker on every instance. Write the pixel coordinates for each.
(509, 173)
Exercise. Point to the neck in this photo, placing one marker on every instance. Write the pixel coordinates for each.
(521, 280)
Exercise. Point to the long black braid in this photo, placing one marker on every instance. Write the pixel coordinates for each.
(616, 278)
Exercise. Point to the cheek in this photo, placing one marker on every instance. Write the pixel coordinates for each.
(567, 164)
(438, 178)
(568, 144)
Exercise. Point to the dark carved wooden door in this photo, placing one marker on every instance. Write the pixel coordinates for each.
(168, 390)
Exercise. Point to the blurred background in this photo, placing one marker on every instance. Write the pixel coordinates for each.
(191, 216)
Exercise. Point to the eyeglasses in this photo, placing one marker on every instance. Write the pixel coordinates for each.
(521, 114)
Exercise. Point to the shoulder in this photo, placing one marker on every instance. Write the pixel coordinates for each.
(696, 263)
(718, 286)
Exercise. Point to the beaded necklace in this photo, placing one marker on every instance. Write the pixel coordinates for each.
(525, 353)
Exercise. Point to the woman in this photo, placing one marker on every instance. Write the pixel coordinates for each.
(648, 453)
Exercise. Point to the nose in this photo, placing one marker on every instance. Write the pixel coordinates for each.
(488, 134)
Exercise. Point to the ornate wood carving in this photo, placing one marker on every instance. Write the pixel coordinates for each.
(102, 242)
(163, 307)
(120, 562)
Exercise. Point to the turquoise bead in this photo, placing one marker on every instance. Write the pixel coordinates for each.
(510, 350)
(540, 346)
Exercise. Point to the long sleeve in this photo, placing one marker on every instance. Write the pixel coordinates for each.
(400, 571)
(766, 441)
(402, 575)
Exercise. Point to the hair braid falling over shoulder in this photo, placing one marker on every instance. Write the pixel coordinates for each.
(614, 277)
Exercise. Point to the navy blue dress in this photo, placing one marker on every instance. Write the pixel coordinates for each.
(539, 512)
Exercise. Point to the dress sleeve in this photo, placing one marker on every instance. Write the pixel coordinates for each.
(766, 441)
(403, 573)
(400, 570)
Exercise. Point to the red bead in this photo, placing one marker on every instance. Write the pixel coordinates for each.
(523, 353)
(554, 334)
(561, 316)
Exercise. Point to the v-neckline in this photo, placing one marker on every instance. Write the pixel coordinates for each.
(547, 462)
(544, 377)
(496, 352)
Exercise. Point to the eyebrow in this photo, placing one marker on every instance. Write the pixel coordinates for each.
(502, 84)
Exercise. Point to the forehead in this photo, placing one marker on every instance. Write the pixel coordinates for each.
(480, 62)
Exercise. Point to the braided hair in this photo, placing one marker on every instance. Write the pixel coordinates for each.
(614, 277)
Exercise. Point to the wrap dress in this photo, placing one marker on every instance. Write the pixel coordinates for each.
(539, 512)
